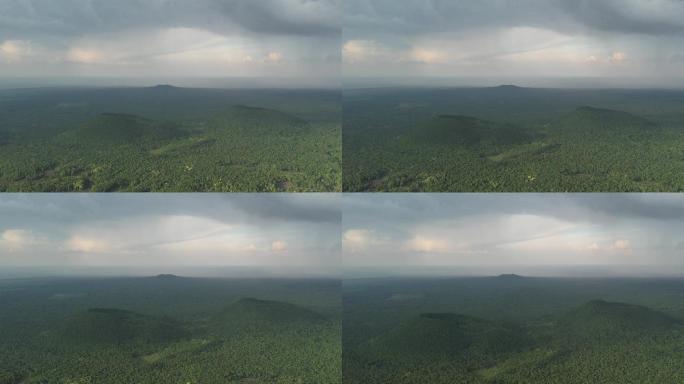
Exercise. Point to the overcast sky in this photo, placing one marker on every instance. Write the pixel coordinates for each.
(469, 230)
(271, 230)
(198, 38)
(509, 39)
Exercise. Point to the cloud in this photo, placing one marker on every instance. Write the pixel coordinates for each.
(15, 240)
(622, 244)
(510, 40)
(170, 38)
(81, 244)
(85, 56)
(427, 56)
(617, 57)
(14, 50)
(513, 229)
(274, 57)
(171, 229)
(358, 240)
(428, 16)
(423, 244)
(78, 17)
(278, 246)
(359, 51)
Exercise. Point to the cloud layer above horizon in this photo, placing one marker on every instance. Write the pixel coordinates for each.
(511, 39)
(199, 38)
(299, 231)
(513, 229)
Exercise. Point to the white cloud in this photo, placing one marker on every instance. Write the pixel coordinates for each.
(617, 57)
(81, 244)
(424, 244)
(14, 50)
(359, 51)
(622, 245)
(274, 57)
(85, 56)
(15, 240)
(278, 246)
(427, 56)
(358, 240)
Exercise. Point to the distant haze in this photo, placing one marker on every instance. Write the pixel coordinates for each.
(188, 82)
(491, 234)
(636, 42)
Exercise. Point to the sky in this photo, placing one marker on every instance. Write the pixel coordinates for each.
(299, 231)
(495, 230)
(172, 38)
(635, 41)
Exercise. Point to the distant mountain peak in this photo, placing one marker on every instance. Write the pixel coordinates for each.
(508, 86)
(164, 86)
(167, 276)
(509, 276)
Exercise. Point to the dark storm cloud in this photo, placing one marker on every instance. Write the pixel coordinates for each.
(427, 16)
(171, 39)
(664, 207)
(169, 229)
(321, 208)
(22, 18)
(525, 229)
(508, 40)
(407, 209)
(271, 208)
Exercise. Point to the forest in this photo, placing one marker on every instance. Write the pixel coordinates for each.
(513, 329)
(170, 139)
(170, 329)
(513, 139)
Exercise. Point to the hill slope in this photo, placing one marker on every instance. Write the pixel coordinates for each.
(251, 313)
(600, 121)
(255, 120)
(435, 335)
(467, 131)
(600, 319)
(118, 326)
(114, 128)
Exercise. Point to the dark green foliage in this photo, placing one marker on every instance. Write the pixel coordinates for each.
(599, 318)
(511, 139)
(110, 129)
(467, 131)
(513, 330)
(117, 326)
(447, 335)
(162, 330)
(170, 139)
(249, 312)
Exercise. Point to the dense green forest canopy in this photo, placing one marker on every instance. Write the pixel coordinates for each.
(513, 139)
(170, 329)
(513, 329)
(165, 138)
